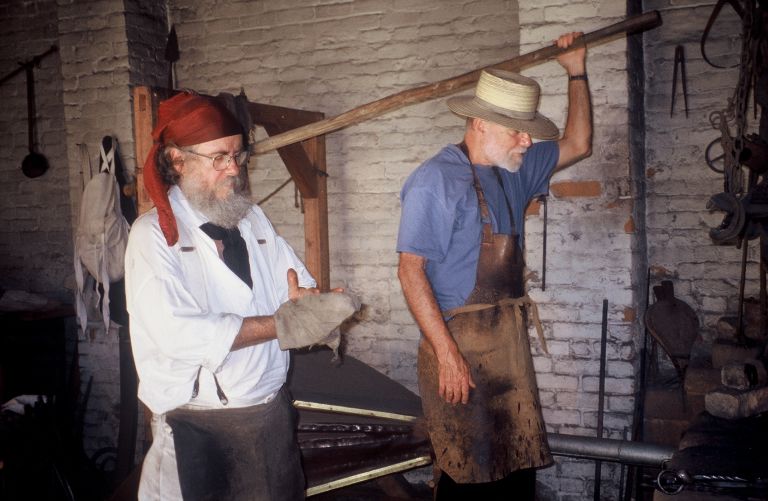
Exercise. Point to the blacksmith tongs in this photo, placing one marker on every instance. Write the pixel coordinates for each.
(679, 62)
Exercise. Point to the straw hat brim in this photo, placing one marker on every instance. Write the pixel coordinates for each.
(540, 127)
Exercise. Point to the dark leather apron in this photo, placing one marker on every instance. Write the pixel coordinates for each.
(248, 453)
(501, 428)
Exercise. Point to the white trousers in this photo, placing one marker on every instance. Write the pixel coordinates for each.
(159, 476)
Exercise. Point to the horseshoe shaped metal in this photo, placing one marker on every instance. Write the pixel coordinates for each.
(734, 219)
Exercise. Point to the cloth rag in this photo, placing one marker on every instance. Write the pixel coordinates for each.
(314, 320)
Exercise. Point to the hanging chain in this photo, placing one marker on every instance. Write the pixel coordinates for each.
(732, 174)
(746, 76)
(736, 111)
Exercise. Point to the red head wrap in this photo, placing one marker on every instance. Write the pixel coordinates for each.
(185, 119)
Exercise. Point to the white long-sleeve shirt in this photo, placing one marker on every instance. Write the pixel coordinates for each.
(186, 307)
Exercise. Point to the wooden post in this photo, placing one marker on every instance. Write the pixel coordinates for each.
(145, 103)
(316, 248)
(305, 162)
(142, 137)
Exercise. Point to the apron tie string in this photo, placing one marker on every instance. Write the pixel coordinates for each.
(519, 302)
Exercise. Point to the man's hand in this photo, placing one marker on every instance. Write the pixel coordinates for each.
(454, 377)
(295, 292)
(311, 318)
(574, 60)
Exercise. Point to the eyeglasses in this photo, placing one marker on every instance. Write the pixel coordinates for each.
(222, 160)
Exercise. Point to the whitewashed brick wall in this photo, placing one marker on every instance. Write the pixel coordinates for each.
(35, 235)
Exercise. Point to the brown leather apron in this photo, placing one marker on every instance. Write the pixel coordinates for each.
(501, 428)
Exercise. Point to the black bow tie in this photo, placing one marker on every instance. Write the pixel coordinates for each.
(235, 253)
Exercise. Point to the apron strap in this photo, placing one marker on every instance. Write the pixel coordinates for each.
(520, 303)
(485, 214)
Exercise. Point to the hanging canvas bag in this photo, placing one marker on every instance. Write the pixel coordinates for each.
(100, 239)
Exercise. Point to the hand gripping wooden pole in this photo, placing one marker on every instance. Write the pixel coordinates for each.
(442, 88)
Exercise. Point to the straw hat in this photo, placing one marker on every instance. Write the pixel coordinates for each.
(508, 99)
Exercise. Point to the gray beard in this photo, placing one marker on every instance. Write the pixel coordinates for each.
(512, 165)
(226, 213)
(500, 160)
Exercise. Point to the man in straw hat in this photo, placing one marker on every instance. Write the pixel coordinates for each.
(461, 269)
(211, 290)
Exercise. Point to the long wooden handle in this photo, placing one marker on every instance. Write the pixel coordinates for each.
(445, 87)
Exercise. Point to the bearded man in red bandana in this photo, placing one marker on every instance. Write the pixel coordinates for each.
(205, 274)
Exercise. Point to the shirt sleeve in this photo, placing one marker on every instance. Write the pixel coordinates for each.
(540, 162)
(425, 221)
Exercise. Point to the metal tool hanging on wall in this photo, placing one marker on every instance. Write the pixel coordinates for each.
(744, 199)
(601, 396)
(679, 69)
(171, 56)
(34, 164)
(737, 196)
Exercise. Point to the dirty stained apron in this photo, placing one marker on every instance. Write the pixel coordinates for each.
(501, 428)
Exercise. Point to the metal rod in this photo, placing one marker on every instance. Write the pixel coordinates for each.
(368, 475)
(35, 61)
(355, 411)
(740, 324)
(601, 396)
(31, 113)
(639, 410)
(608, 449)
(763, 291)
(623, 471)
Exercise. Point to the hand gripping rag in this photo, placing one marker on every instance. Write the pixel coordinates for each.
(314, 319)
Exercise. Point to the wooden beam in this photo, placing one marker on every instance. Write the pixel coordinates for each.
(276, 120)
(268, 113)
(297, 162)
(447, 86)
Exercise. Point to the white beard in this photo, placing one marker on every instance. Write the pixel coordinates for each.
(510, 164)
(501, 159)
(226, 212)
